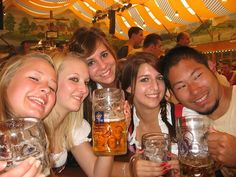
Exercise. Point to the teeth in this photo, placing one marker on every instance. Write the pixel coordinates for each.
(38, 100)
(153, 95)
(105, 74)
(78, 98)
(201, 99)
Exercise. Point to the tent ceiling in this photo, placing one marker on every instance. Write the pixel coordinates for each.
(151, 15)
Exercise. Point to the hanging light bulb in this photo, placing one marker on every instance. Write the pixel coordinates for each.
(223, 1)
(176, 14)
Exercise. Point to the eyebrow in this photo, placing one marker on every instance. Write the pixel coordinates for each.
(144, 75)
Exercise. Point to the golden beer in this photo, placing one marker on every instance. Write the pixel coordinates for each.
(197, 168)
(110, 138)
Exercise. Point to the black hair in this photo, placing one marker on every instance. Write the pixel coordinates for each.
(175, 55)
(151, 39)
(134, 30)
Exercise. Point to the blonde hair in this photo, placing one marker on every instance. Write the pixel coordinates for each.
(62, 133)
(7, 73)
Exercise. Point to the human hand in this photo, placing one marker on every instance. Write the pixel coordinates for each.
(139, 167)
(222, 147)
(28, 168)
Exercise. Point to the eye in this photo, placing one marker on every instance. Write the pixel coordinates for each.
(104, 55)
(145, 79)
(52, 89)
(160, 77)
(179, 87)
(197, 75)
(74, 79)
(86, 83)
(33, 78)
(90, 62)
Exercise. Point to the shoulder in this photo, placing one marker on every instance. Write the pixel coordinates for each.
(81, 134)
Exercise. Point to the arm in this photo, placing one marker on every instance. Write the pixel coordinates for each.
(93, 165)
(28, 168)
(222, 148)
(120, 169)
(138, 167)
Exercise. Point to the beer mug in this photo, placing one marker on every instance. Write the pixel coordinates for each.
(157, 148)
(195, 161)
(109, 129)
(21, 138)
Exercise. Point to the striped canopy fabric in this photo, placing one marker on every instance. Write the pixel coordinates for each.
(150, 15)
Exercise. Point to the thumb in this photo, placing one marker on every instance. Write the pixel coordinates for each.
(2, 165)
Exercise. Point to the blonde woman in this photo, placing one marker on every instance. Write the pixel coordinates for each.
(66, 128)
(28, 86)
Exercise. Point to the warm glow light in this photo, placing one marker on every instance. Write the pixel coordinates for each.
(176, 14)
(168, 18)
(90, 7)
(191, 11)
(125, 22)
(152, 16)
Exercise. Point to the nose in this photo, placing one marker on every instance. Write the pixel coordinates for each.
(193, 88)
(155, 85)
(83, 88)
(102, 64)
(45, 89)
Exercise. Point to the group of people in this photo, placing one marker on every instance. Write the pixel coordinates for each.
(58, 89)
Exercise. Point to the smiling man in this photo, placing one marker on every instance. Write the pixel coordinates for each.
(188, 75)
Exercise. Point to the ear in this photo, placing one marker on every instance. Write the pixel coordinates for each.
(128, 89)
(211, 65)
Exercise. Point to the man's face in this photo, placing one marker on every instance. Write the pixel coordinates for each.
(195, 86)
(158, 50)
(185, 41)
(138, 37)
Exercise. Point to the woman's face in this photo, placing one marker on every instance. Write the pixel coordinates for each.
(149, 88)
(73, 81)
(31, 91)
(102, 66)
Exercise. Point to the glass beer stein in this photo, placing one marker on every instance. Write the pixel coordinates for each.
(157, 147)
(109, 129)
(21, 138)
(195, 161)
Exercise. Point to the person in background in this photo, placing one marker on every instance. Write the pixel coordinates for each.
(66, 122)
(188, 75)
(183, 39)
(145, 90)
(135, 35)
(228, 72)
(28, 85)
(152, 44)
(221, 78)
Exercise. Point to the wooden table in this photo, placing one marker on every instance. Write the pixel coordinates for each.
(72, 172)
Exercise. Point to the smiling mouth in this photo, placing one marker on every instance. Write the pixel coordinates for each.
(152, 95)
(201, 99)
(37, 100)
(107, 73)
(78, 98)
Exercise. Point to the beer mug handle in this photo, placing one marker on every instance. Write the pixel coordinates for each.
(132, 161)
